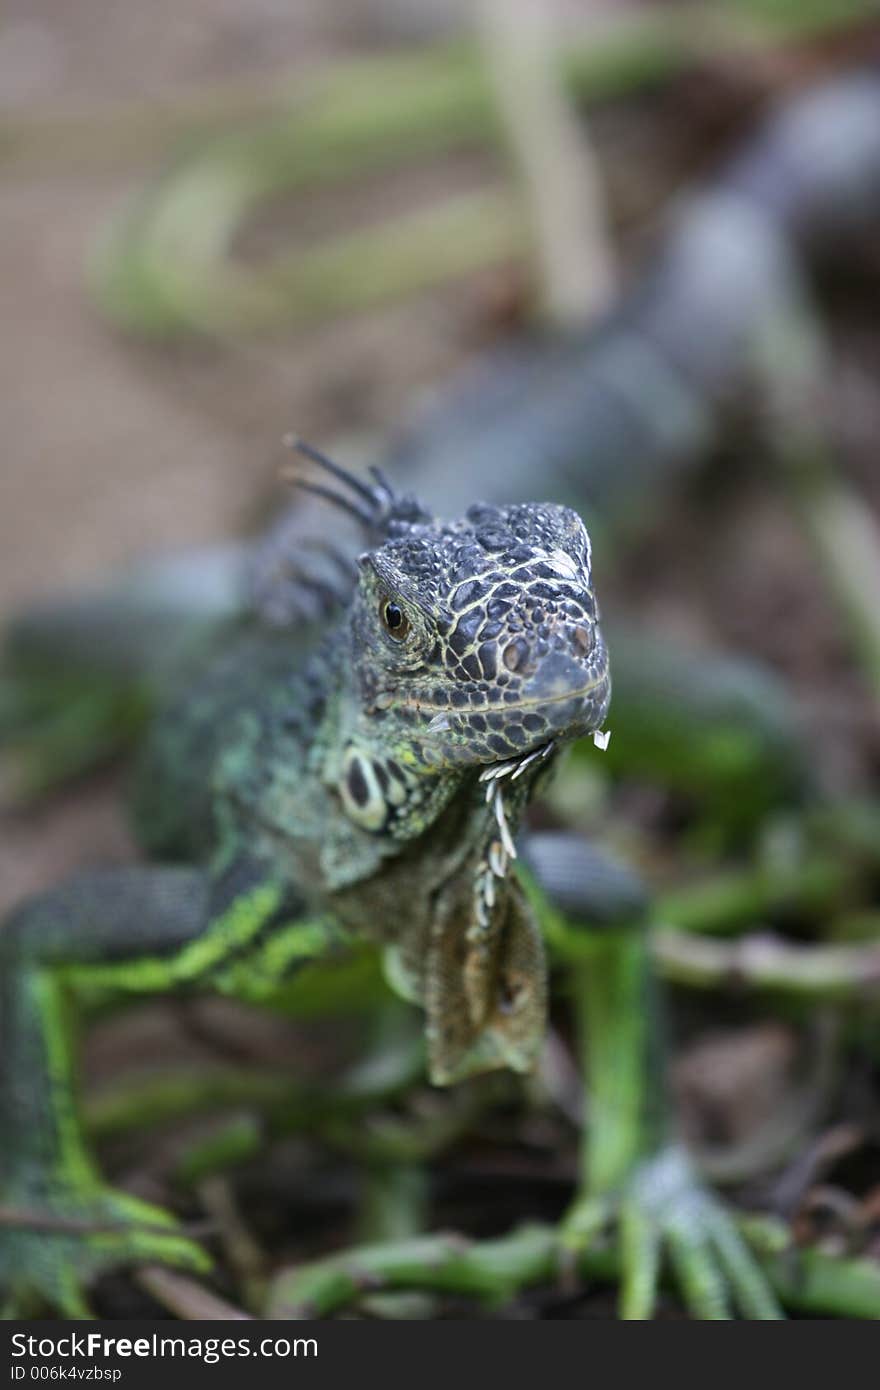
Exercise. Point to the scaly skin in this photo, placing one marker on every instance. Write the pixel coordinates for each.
(367, 782)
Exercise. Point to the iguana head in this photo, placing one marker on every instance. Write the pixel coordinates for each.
(473, 642)
(479, 640)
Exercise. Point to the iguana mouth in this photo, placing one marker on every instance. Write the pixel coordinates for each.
(538, 702)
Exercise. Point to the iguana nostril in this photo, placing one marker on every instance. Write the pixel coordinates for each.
(515, 654)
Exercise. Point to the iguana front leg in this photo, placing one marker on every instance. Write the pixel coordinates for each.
(134, 930)
(634, 1174)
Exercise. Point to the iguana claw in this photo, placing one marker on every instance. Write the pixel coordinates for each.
(51, 1262)
(664, 1211)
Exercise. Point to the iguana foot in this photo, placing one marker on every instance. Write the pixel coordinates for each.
(664, 1211)
(50, 1253)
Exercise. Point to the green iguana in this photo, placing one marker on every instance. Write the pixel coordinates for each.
(364, 778)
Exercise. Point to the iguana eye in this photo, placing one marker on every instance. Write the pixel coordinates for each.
(394, 620)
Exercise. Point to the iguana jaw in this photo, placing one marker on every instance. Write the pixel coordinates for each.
(537, 703)
(563, 718)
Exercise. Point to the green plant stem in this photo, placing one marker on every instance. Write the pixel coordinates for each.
(287, 1105)
(728, 903)
(816, 973)
(841, 846)
(168, 267)
(394, 1202)
(494, 1271)
(630, 52)
(394, 1208)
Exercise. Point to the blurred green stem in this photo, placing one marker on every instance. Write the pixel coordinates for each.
(827, 973)
(633, 49)
(169, 267)
(732, 902)
(809, 1281)
(287, 1104)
